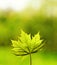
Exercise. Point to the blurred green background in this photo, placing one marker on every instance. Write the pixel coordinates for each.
(31, 21)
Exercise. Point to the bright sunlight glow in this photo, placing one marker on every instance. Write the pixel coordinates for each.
(19, 4)
(37, 3)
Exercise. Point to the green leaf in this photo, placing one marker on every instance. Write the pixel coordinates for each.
(26, 45)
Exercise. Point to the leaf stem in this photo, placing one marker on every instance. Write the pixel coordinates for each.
(30, 59)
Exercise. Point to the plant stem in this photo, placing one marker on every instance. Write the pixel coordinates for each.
(30, 59)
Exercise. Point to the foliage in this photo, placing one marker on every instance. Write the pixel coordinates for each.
(27, 44)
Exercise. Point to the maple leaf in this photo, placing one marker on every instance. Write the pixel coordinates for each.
(27, 44)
